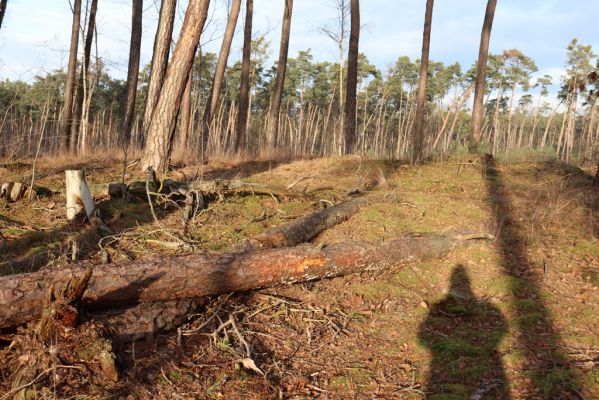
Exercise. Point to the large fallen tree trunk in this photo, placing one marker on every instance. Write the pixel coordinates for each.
(144, 320)
(195, 275)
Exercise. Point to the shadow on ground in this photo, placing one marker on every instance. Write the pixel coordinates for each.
(462, 334)
(36, 249)
(550, 372)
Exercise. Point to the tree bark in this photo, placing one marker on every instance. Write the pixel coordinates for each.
(481, 76)
(133, 70)
(418, 139)
(83, 74)
(277, 96)
(244, 89)
(219, 74)
(185, 114)
(67, 115)
(145, 320)
(159, 139)
(162, 46)
(195, 275)
(304, 228)
(3, 4)
(352, 78)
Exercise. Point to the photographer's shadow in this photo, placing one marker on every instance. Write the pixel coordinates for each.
(463, 333)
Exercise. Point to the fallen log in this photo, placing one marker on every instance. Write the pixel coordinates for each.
(195, 275)
(305, 228)
(145, 320)
(298, 231)
(168, 186)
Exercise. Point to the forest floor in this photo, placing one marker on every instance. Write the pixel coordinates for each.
(516, 317)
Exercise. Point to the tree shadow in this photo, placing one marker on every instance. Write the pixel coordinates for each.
(539, 341)
(35, 249)
(463, 334)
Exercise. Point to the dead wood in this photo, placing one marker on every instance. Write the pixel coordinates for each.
(144, 320)
(170, 278)
(171, 187)
(304, 228)
(58, 348)
(61, 308)
(12, 191)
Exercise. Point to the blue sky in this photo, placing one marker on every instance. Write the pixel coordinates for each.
(35, 33)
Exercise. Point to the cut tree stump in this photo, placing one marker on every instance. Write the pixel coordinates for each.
(195, 275)
(79, 197)
(12, 191)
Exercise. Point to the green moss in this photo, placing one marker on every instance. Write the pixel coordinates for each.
(529, 320)
(174, 375)
(584, 248)
(451, 391)
(554, 382)
(591, 381)
(526, 306)
(359, 375)
(12, 231)
(217, 245)
(508, 285)
(339, 382)
(451, 349)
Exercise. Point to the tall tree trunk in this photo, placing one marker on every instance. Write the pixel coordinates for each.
(164, 118)
(352, 78)
(185, 114)
(510, 138)
(83, 75)
(133, 71)
(219, 74)
(162, 46)
(275, 105)
(244, 90)
(535, 123)
(481, 76)
(2, 10)
(67, 116)
(418, 140)
(564, 121)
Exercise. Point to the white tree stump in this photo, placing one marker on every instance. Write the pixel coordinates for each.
(18, 191)
(79, 197)
(12, 191)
